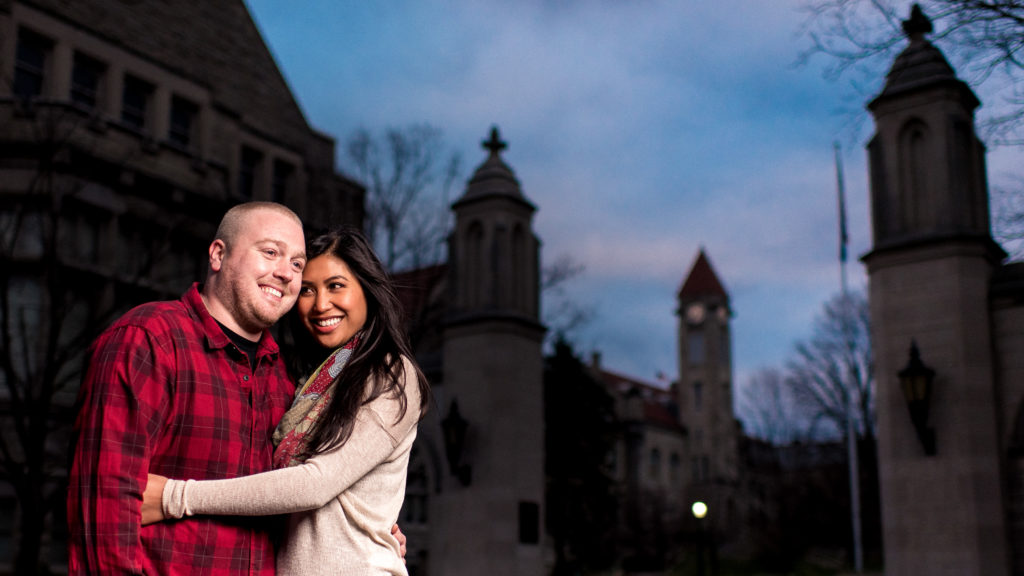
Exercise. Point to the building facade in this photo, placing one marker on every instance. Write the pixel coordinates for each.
(947, 319)
(126, 131)
(475, 499)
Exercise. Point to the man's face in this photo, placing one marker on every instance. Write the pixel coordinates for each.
(260, 271)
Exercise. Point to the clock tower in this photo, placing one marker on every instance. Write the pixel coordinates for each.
(704, 389)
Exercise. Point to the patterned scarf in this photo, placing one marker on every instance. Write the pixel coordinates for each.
(292, 434)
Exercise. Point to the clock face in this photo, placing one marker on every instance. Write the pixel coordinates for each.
(695, 313)
(723, 313)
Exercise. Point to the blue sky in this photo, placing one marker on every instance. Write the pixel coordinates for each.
(642, 130)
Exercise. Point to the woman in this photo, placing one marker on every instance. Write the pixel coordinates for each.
(342, 450)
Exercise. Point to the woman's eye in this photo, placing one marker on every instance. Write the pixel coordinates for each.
(305, 291)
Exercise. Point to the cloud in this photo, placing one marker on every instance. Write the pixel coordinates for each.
(641, 130)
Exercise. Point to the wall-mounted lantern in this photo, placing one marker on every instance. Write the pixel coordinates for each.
(916, 382)
(454, 428)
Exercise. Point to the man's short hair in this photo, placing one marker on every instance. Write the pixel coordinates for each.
(231, 223)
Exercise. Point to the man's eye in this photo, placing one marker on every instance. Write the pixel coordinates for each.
(298, 265)
(270, 252)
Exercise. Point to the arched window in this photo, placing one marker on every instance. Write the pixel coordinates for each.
(914, 142)
(415, 509)
(518, 257)
(474, 272)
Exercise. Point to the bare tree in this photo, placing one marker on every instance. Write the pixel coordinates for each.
(57, 291)
(1008, 217)
(766, 408)
(983, 38)
(835, 364)
(562, 313)
(409, 177)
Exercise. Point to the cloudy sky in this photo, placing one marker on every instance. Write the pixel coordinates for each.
(642, 130)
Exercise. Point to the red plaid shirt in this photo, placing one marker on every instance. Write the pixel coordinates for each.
(167, 392)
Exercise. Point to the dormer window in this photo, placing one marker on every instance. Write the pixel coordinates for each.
(86, 76)
(30, 64)
(135, 101)
(248, 171)
(183, 122)
(282, 181)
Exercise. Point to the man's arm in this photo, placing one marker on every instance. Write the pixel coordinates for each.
(114, 428)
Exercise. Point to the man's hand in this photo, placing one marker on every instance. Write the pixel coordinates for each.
(395, 530)
(153, 509)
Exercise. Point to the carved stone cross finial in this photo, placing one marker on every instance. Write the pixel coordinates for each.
(495, 145)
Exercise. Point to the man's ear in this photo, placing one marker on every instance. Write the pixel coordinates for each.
(218, 250)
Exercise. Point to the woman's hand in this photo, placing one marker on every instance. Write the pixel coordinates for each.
(152, 506)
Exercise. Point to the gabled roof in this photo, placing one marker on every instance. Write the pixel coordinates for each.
(214, 44)
(702, 281)
(658, 403)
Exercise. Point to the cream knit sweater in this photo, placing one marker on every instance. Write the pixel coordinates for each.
(341, 504)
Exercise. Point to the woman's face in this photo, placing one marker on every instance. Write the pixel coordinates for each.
(331, 302)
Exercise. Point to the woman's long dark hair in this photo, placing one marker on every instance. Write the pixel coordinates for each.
(383, 343)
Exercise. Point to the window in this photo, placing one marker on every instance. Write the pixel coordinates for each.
(529, 523)
(698, 396)
(695, 348)
(135, 102)
(30, 64)
(282, 181)
(86, 75)
(654, 469)
(248, 171)
(611, 461)
(674, 466)
(183, 119)
(414, 509)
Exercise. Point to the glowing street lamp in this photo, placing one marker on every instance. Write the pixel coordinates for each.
(700, 510)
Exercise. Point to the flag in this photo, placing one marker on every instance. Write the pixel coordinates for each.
(843, 237)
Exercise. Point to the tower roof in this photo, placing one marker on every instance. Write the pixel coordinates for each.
(493, 177)
(920, 64)
(702, 280)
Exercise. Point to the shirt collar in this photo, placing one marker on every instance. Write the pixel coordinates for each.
(215, 337)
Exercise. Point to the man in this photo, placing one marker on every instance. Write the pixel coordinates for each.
(187, 389)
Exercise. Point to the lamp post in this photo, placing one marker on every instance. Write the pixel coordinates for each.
(916, 382)
(700, 510)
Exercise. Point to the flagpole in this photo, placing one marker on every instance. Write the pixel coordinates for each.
(851, 436)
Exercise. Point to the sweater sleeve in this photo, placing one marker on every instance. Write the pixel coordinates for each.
(310, 485)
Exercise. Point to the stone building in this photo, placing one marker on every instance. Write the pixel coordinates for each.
(679, 443)
(947, 330)
(126, 130)
(475, 500)
(649, 464)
